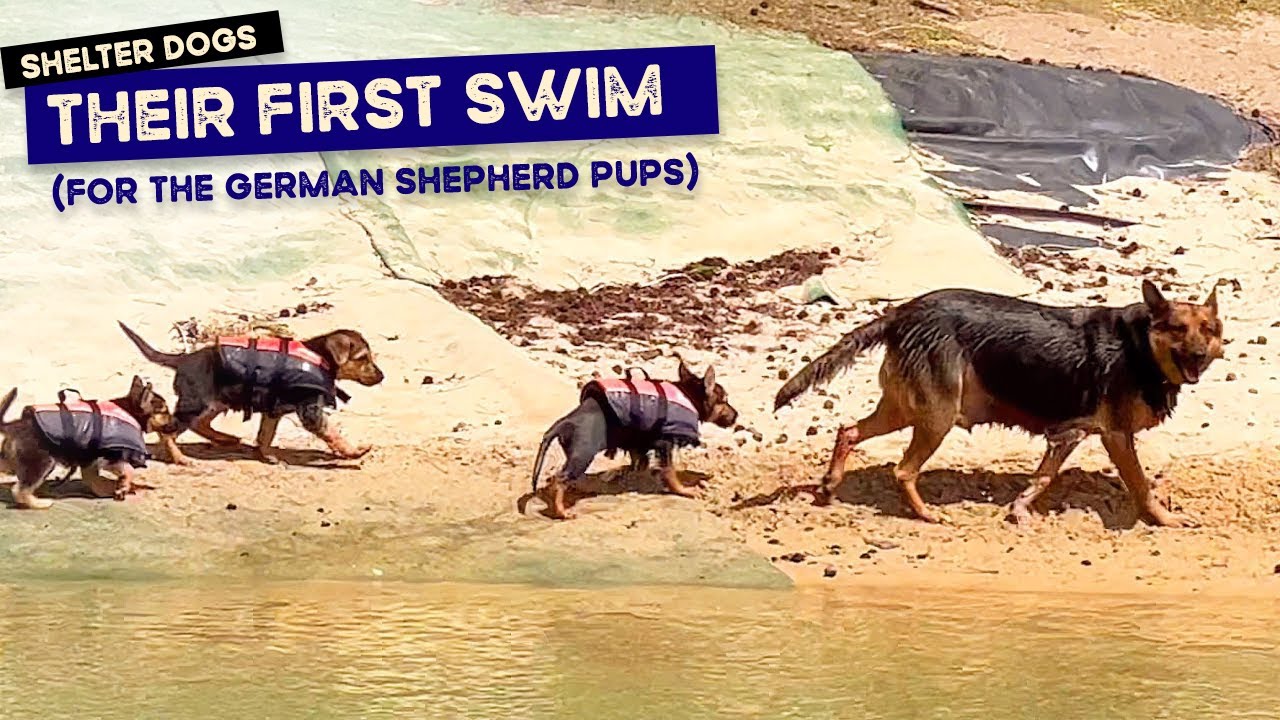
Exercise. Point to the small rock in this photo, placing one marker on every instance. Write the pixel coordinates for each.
(1231, 377)
(285, 313)
(301, 309)
(428, 380)
(1137, 192)
(782, 374)
(865, 555)
(794, 557)
(829, 405)
(325, 523)
(811, 431)
(1086, 563)
(231, 506)
(830, 571)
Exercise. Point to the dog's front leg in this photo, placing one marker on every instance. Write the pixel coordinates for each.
(98, 485)
(667, 460)
(1124, 453)
(125, 484)
(170, 443)
(266, 435)
(314, 420)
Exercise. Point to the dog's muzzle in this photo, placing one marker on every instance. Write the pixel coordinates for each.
(1193, 365)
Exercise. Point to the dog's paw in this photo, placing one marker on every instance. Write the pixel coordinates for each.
(355, 453)
(35, 503)
(181, 461)
(1018, 516)
(1174, 520)
(268, 458)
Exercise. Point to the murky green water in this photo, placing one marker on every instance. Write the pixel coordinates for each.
(343, 650)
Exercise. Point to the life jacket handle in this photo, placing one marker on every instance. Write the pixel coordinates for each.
(641, 370)
(62, 395)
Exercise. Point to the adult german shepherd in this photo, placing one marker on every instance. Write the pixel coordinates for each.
(964, 358)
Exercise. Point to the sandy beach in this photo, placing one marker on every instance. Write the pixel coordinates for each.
(477, 367)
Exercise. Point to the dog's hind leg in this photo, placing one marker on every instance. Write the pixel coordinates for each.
(926, 437)
(1061, 444)
(203, 426)
(32, 472)
(587, 438)
(886, 418)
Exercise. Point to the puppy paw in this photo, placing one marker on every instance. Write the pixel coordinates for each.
(1019, 515)
(355, 453)
(267, 457)
(181, 460)
(34, 503)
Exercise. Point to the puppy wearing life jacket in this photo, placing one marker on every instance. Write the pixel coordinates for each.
(87, 434)
(638, 416)
(270, 376)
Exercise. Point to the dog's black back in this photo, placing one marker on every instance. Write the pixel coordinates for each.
(1055, 363)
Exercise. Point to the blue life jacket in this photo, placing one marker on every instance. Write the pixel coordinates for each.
(83, 431)
(647, 407)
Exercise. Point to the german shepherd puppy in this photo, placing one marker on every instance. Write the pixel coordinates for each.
(33, 458)
(593, 427)
(963, 358)
(203, 394)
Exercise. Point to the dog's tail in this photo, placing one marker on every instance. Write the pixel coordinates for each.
(826, 366)
(150, 353)
(6, 402)
(556, 432)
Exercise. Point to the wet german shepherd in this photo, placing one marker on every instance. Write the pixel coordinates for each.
(960, 358)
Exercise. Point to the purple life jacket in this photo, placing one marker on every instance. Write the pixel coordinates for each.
(83, 431)
(645, 406)
(275, 372)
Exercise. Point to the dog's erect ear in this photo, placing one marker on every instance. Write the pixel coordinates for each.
(1212, 302)
(340, 348)
(141, 390)
(1154, 300)
(686, 375)
(709, 380)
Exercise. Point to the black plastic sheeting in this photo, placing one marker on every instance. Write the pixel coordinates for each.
(1048, 130)
(1015, 236)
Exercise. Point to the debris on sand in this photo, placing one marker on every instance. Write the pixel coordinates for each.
(696, 306)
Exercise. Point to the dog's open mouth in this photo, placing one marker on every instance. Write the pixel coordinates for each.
(1191, 370)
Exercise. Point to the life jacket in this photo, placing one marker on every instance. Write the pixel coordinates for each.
(645, 406)
(82, 431)
(275, 372)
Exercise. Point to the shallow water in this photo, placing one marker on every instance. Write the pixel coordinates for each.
(369, 650)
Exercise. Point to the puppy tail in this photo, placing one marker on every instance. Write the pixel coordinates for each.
(826, 366)
(6, 402)
(555, 433)
(150, 353)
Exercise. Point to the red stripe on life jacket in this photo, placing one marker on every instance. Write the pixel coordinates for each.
(272, 344)
(647, 387)
(108, 408)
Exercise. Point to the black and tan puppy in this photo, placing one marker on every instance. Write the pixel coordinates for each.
(90, 435)
(270, 376)
(960, 358)
(636, 416)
